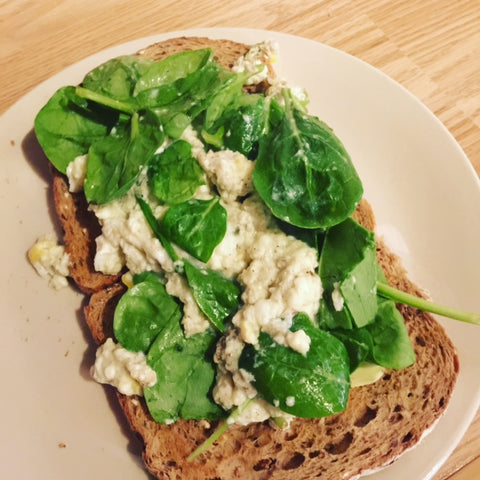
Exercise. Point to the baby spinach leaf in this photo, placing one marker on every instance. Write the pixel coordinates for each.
(201, 380)
(185, 376)
(216, 296)
(391, 344)
(311, 236)
(384, 339)
(303, 172)
(358, 343)
(224, 97)
(115, 162)
(312, 385)
(174, 175)
(348, 264)
(197, 226)
(142, 312)
(67, 125)
(179, 103)
(243, 129)
(175, 124)
(100, 99)
(117, 77)
(172, 68)
(182, 93)
(239, 128)
(148, 276)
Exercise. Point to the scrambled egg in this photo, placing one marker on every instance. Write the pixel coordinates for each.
(50, 261)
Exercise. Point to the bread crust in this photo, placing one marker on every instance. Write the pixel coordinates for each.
(80, 228)
(226, 52)
(382, 420)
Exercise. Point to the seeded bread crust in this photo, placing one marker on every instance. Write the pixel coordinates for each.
(381, 421)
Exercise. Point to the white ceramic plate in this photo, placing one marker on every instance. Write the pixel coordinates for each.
(57, 423)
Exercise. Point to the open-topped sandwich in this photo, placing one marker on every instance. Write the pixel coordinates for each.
(243, 306)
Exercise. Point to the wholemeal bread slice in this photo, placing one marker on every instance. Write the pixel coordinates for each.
(382, 420)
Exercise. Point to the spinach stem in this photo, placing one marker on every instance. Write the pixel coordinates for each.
(392, 293)
(152, 222)
(135, 127)
(104, 100)
(203, 447)
(209, 441)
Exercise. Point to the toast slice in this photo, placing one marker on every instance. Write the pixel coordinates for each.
(381, 422)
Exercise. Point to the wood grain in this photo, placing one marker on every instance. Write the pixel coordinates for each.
(432, 47)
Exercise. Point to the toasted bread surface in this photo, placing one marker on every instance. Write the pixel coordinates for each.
(382, 420)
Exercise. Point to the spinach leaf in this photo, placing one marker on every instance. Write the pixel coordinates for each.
(312, 385)
(185, 374)
(224, 97)
(303, 172)
(348, 264)
(239, 128)
(172, 68)
(197, 226)
(174, 175)
(384, 338)
(175, 123)
(115, 162)
(311, 236)
(117, 77)
(142, 312)
(67, 125)
(391, 345)
(358, 342)
(147, 276)
(179, 103)
(183, 93)
(216, 296)
(243, 129)
(171, 93)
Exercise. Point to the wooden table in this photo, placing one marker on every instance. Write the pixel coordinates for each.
(432, 47)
